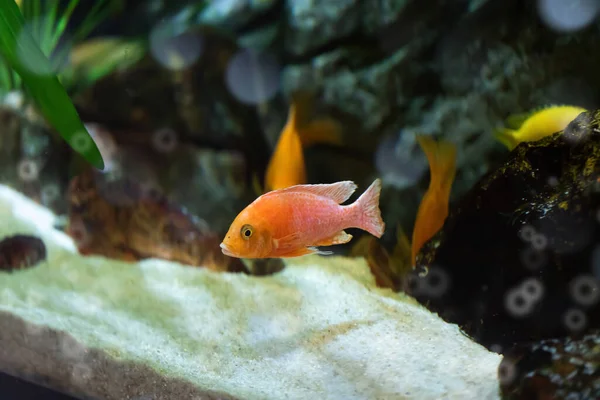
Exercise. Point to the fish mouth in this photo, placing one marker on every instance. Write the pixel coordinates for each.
(226, 250)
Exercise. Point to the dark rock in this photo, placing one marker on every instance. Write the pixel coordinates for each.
(20, 252)
(515, 260)
(552, 369)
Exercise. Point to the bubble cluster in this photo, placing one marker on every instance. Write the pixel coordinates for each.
(574, 319)
(165, 140)
(533, 257)
(28, 170)
(585, 290)
(568, 15)
(253, 77)
(521, 299)
(433, 285)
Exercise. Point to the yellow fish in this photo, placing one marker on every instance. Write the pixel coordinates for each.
(433, 209)
(286, 167)
(534, 126)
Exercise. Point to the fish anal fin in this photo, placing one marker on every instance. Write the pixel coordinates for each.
(302, 251)
(338, 192)
(339, 238)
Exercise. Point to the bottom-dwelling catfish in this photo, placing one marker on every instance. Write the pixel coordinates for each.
(293, 221)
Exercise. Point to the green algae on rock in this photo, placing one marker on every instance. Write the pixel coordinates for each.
(95, 327)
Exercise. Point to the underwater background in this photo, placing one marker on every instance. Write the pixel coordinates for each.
(196, 108)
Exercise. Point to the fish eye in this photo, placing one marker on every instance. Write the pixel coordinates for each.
(246, 231)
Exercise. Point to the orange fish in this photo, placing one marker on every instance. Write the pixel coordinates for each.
(292, 222)
(286, 167)
(433, 209)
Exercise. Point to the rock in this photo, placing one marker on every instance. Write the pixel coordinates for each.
(132, 220)
(516, 259)
(233, 14)
(368, 94)
(555, 368)
(107, 329)
(313, 24)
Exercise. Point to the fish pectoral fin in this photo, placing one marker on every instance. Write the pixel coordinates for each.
(287, 243)
(339, 238)
(302, 251)
(314, 250)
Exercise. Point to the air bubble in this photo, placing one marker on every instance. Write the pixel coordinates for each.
(175, 50)
(506, 371)
(253, 77)
(496, 348)
(568, 15)
(533, 259)
(50, 193)
(575, 320)
(527, 233)
(164, 140)
(151, 191)
(539, 241)
(585, 290)
(553, 181)
(81, 142)
(534, 288)
(517, 303)
(28, 170)
(437, 282)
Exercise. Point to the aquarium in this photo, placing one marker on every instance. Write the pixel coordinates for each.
(293, 199)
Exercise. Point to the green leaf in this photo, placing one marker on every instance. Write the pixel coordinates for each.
(17, 46)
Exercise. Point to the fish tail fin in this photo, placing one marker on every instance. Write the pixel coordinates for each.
(506, 137)
(441, 156)
(368, 213)
(325, 130)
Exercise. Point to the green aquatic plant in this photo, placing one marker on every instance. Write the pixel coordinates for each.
(30, 31)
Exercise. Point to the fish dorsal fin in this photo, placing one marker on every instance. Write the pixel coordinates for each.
(338, 192)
